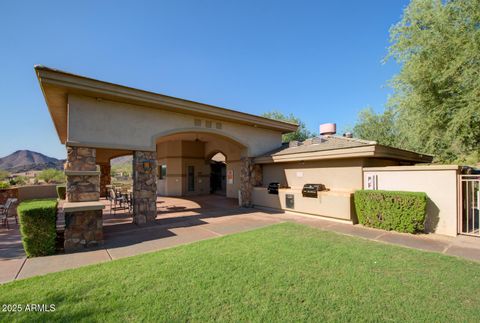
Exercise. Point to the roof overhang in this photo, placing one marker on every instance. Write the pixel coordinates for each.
(56, 85)
(367, 151)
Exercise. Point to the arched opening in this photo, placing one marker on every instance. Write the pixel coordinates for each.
(198, 163)
(218, 174)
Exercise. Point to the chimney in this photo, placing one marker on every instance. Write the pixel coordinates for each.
(328, 129)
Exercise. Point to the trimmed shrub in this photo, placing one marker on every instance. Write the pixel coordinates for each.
(38, 226)
(391, 210)
(4, 185)
(61, 192)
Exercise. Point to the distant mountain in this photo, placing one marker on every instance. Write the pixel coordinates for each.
(121, 160)
(26, 160)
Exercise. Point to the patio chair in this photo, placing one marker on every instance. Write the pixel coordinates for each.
(130, 201)
(117, 201)
(6, 209)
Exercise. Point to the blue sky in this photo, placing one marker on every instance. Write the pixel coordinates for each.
(321, 60)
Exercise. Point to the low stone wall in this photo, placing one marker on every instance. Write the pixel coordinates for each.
(8, 193)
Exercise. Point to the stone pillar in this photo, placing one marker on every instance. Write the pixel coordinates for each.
(83, 182)
(105, 178)
(257, 177)
(246, 180)
(83, 211)
(144, 186)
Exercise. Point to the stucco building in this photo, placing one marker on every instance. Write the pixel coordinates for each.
(173, 142)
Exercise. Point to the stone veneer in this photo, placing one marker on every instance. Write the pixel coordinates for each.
(81, 159)
(83, 229)
(250, 176)
(144, 186)
(105, 178)
(82, 187)
(8, 193)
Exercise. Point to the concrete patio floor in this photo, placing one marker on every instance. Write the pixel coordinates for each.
(185, 220)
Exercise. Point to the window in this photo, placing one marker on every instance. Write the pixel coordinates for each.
(162, 171)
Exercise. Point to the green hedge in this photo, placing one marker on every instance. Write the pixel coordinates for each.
(38, 226)
(391, 210)
(61, 192)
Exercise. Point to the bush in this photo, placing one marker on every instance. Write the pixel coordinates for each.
(52, 176)
(38, 226)
(61, 192)
(391, 210)
(4, 185)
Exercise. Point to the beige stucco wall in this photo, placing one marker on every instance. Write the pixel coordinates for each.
(332, 204)
(438, 182)
(342, 177)
(337, 175)
(177, 155)
(108, 124)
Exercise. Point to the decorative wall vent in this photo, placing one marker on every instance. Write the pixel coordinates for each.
(208, 124)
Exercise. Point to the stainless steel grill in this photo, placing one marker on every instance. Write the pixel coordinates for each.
(273, 188)
(311, 190)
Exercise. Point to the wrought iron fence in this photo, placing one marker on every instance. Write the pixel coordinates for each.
(470, 208)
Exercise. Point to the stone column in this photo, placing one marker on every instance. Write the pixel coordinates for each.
(83, 211)
(82, 176)
(246, 180)
(144, 186)
(257, 177)
(105, 178)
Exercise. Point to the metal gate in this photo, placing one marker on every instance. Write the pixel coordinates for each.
(470, 208)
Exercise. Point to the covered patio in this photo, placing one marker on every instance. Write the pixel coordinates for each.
(173, 210)
(98, 121)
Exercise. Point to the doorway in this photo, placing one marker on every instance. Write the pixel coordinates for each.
(218, 175)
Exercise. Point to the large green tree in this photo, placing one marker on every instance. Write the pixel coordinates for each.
(52, 176)
(437, 92)
(302, 132)
(379, 127)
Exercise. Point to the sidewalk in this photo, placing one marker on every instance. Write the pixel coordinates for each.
(128, 240)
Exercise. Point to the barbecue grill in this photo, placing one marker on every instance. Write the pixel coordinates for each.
(311, 190)
(273, 188)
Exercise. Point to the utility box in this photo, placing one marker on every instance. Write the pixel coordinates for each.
(290, 201)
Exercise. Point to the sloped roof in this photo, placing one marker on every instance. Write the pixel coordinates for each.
(56, 85)
(326, 142)
(334, 147)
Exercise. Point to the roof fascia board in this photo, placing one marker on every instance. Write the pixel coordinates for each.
(365, 151)
(86, 86)
(391, 152)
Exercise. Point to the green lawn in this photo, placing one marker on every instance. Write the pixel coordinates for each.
(281, 273)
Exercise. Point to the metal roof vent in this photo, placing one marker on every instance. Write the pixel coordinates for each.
(328, 129)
